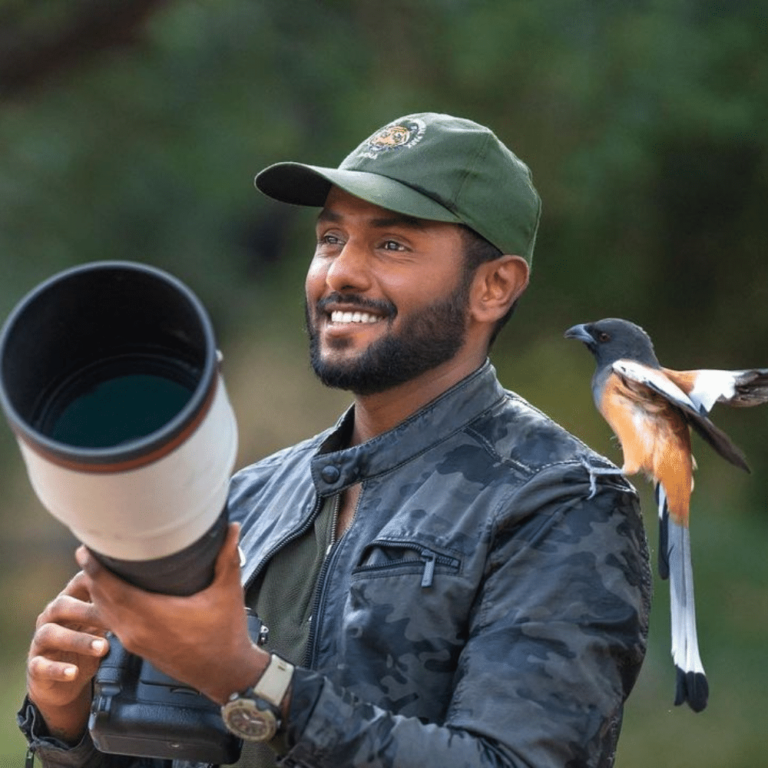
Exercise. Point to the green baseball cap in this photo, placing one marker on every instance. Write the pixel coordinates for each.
(430, 166)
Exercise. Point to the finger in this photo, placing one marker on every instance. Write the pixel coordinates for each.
(41, 669)
(228, 561)
(102, 583)
(53, 639)
(77, 587)
(74, 613)
(85, 559)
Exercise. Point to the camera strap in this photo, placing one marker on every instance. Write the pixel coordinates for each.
(30, 760)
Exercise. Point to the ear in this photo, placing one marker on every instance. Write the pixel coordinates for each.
(496, 286)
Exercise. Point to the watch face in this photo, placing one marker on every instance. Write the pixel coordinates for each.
(247, 720)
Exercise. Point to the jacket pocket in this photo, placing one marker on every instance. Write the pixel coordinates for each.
(392, 557)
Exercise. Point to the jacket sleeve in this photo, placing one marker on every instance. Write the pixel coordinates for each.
(556, 639)
(53, 753)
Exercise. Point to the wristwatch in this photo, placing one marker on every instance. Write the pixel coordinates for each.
(255, 714)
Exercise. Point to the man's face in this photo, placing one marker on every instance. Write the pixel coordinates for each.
(386, 296)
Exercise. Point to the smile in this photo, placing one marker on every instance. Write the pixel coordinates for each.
(339, 316)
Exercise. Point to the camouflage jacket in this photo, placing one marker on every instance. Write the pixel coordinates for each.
(481, 610)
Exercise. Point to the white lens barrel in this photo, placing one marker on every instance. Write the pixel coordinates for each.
(152, 511)
(109, 377)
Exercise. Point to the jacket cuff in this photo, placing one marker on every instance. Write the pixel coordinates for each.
(51, 751)
(306, 689)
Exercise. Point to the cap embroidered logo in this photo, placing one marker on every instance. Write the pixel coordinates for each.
(405, 133)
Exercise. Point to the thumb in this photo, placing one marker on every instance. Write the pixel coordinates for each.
(228, 561)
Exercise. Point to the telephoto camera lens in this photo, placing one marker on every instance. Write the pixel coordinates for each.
(110, 380)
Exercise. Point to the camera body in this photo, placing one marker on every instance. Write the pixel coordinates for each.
(137, 710)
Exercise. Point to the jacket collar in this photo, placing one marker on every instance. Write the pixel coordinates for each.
(334, 469)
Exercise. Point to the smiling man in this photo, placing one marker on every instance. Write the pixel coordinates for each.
(388, 300)
(441, 586)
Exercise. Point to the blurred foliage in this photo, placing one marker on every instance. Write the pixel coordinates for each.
(132, 129)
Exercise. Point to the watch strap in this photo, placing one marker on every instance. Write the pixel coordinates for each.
(274, 681)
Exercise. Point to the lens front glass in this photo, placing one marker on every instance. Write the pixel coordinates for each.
(116, 401)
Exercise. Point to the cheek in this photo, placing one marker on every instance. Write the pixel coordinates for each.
(417, 292)
(314, 283)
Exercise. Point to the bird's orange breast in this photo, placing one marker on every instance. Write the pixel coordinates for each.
(655, 439)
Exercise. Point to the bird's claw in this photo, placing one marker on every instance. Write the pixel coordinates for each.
(592, 479)
(593, 472)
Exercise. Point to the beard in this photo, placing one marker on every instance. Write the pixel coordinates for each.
(424, 341)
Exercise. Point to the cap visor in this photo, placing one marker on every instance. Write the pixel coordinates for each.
(309, 185)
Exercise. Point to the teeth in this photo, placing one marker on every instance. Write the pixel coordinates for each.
(353, 317)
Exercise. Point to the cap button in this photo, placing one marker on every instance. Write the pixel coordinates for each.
(330, 473)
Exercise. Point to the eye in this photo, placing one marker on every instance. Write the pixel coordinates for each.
(603, 337)
(328, 243)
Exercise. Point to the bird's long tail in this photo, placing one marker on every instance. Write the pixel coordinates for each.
(675, 564)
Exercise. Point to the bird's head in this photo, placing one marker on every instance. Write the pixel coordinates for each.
(615, 339)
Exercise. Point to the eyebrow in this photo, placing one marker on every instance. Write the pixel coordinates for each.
(395, 220)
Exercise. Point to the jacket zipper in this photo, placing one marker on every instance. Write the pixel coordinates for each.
(321, 579)
(285, 540)
(430, 558)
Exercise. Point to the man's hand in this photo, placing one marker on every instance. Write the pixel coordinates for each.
(201, 640)
(63, 658)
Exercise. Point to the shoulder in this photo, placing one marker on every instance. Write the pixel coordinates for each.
(550, 470)
(519, 432)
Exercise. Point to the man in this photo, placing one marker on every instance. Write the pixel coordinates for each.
(434, 566)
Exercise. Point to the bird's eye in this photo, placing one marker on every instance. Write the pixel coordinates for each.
(603, 337)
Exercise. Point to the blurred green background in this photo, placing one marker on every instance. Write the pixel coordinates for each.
(131, 129)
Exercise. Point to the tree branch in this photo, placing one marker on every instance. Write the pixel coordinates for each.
(29, 60)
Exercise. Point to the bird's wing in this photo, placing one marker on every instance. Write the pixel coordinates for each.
(656, 380)
(737, 388)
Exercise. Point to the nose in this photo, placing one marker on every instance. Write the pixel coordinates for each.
(350, 269)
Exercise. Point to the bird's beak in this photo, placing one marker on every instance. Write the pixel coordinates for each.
(580, 333)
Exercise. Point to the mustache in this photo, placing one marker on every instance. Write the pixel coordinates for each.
(382, 307)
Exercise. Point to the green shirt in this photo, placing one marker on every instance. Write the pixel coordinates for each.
(283, 597)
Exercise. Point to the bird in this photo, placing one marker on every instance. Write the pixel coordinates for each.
(653, 410)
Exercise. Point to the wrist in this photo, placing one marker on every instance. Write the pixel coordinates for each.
(259, 712)
(66, 723)
(243, 674)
